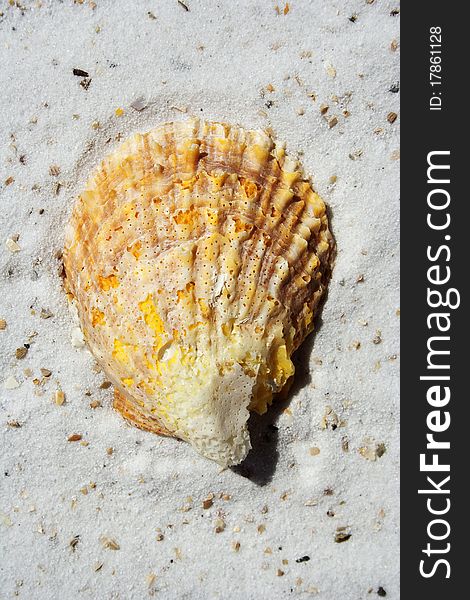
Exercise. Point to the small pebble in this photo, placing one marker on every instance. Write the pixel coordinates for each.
(311, 502)
(139, 104)
(332, 121)
(73, 542)
(342, 535)
(219, 525)
(109, 543)
(377, 339)
(11, 383)
(12, 245)
(21, 352)
(59, 399)
(381, 592)
(80, 73)
(330, 71)
(207, 503)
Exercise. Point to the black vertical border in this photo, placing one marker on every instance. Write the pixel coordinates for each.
(423, 131)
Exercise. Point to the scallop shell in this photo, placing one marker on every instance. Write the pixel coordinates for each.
(196, 257)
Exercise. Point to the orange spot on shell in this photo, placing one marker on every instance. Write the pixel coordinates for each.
(135, 249)
(97, 317)
(250, 188)
(241, 226)
(184, 217)
(106, 283)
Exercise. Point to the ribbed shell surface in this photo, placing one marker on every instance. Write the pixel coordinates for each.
(196, 257)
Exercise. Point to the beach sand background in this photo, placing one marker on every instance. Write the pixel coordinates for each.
(119, 514)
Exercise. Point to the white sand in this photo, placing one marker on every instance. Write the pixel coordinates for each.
(213, 61)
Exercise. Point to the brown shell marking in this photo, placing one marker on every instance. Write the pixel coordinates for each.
(132, 412)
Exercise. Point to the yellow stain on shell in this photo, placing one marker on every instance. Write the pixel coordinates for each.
(151, 316)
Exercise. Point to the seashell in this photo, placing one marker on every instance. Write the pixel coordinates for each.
(197, 256)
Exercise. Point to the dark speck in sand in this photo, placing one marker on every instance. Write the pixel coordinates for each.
(80, 73)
